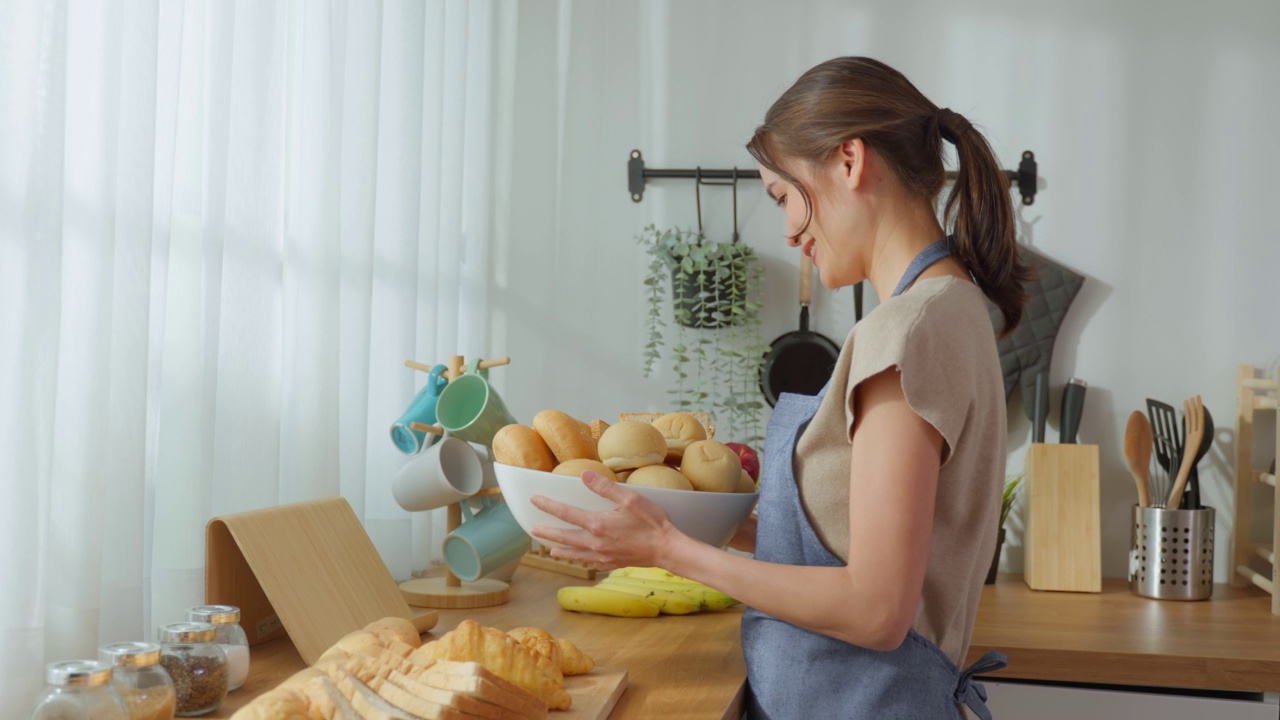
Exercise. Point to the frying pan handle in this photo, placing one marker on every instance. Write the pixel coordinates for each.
(806, 283)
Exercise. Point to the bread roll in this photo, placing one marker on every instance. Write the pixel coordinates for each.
(745, 483)
(360, 642)
(679, 429)
(522, 446)
(568, 438)
(711, 466)
(575, 468)
(660, 476)
(632, 444)
(395, 628)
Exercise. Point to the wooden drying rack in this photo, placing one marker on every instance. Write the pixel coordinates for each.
(1255, 393)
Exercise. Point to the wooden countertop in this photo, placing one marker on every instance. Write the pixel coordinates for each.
(1229, 642)
(692, 667)
(687, 666)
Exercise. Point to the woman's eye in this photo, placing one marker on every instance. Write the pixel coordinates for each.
(781, 201)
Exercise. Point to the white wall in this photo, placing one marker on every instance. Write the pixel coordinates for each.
(1153, 123)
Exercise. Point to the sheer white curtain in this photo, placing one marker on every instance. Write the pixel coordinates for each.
(223, 228)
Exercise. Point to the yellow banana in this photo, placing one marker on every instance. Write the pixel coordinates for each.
(604, 601)
(649, 573)
(710, 598)
(668, 602)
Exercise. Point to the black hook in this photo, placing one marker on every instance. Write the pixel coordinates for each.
(697, 184)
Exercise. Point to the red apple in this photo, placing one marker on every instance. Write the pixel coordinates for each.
(750, 460)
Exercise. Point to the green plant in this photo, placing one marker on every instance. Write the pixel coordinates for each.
(717, 350)
(1011, 486)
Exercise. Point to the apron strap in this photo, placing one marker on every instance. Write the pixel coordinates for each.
(921, 262)
(972, 693)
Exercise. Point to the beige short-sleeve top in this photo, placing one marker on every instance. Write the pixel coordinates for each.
(938, 335)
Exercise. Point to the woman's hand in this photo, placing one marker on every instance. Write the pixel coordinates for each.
(635, 533)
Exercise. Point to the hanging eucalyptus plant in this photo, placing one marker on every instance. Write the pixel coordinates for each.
(714, 309)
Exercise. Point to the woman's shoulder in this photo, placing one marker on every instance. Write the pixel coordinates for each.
(947, 306)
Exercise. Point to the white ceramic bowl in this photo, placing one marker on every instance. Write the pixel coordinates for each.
(707, 516)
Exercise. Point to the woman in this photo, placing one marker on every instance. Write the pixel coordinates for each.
(880, 496)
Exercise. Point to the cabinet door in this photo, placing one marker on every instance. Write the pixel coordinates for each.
(1042, 702)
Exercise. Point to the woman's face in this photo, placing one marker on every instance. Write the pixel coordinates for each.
(832, 238)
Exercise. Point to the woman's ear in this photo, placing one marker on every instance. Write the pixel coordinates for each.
(852, 155)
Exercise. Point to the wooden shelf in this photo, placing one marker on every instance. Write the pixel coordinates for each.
(1230, 642)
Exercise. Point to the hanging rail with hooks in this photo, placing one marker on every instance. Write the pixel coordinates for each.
(1024, 178)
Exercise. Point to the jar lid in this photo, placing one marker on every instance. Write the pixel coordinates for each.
(216, 614)
(77, 673)
(130, 654)
(188, 632)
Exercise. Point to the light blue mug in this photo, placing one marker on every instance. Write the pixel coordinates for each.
(421, 410)
(485, 542)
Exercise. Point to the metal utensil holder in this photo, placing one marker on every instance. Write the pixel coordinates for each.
(1171, 553)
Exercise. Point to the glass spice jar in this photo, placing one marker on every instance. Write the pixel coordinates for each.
(144, 686)
(78, 690)
(197, 664)
(230, 636)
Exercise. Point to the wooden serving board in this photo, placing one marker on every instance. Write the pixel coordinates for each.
(594, 694)
(307, 569)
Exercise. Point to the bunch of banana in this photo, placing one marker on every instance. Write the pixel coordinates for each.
(643, 592)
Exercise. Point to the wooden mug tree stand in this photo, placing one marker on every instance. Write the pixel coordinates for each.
(450, 591)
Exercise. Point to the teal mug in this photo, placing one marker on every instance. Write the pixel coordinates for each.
(469, 408)
(421, 410)
(486, 541)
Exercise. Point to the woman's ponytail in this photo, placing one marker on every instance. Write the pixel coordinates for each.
(980, 213)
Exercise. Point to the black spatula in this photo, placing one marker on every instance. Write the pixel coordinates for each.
(1164, 425)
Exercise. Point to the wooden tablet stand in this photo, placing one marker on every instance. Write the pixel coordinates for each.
(450, 591)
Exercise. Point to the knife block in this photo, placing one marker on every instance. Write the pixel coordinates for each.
(1063, 539)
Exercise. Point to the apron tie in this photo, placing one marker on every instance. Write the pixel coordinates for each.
(972, 693)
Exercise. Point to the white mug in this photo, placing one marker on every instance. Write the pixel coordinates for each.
(441, 475)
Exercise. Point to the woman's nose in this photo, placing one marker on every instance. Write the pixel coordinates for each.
(794, 240)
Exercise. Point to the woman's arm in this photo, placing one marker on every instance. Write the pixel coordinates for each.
(870, 602)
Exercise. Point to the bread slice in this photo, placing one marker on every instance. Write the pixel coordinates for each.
(473, 703)
(474, 679)
(329, 700)
(373, 706)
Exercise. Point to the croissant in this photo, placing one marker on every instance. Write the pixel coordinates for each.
(502, 655)
(563, 653)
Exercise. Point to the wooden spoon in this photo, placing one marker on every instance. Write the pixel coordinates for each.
(1194, 410)
(1137, 452)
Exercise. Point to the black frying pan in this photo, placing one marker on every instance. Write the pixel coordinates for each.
(800, 361)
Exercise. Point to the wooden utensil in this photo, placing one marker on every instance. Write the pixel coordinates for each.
(1137, 452)
(1195, 430)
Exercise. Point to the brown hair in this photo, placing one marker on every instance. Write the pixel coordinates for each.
(857, 97)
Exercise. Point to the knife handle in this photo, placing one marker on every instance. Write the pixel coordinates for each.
(1072, 408)
(1040, 409)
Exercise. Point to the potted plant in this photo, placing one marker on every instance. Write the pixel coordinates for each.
(1011, 486)
(714, 310)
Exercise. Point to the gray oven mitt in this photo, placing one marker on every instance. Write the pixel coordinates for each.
(1029, 348)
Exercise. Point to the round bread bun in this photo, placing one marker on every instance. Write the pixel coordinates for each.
(522, 446)
(632, 444)
(575, 468)
(679, 429)
(660, 476)
(711, 466)
(745, 483)
(395, 628)
(568, 438)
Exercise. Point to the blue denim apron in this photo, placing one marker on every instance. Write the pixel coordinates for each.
(794, 673)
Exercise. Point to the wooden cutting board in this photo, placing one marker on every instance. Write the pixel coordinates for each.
(307, 569)
(594, 694)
